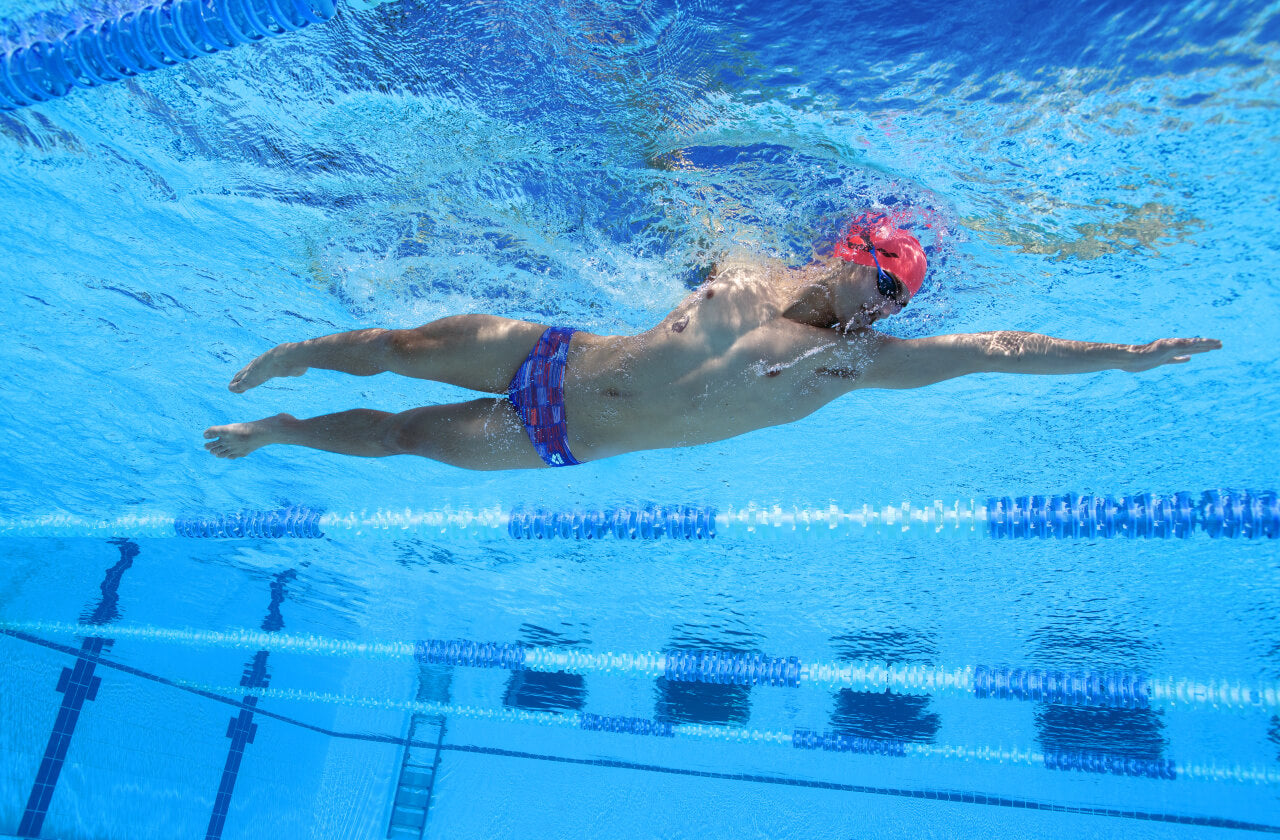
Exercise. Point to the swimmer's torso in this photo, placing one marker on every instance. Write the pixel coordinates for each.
(724, 362)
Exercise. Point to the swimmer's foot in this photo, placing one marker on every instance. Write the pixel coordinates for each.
(236, 440)
(275, 362)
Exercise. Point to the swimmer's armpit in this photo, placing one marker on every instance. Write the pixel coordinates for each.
(839, 373)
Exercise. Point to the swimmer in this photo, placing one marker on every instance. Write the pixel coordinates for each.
(757, 345)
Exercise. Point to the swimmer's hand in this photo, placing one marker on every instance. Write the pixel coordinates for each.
(1167, 351)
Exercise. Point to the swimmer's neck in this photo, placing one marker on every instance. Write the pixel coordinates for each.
(822, 294)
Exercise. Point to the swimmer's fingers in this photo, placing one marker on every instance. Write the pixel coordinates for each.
(1198, 345)
(1171, 351)
(1182, 349)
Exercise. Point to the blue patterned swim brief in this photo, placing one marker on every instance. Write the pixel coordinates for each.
(537, 392)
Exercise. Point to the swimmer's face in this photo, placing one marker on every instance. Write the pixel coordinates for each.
(865, 297)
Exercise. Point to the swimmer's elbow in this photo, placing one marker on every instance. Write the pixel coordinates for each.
(1001, 351)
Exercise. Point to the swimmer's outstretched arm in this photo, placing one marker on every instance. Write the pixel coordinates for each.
(913, 363)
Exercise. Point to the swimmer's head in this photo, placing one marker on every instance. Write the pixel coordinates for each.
(872, 240)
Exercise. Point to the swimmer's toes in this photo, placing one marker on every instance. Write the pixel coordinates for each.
(253, 374)
(218, 448)
(244, 380)
(269, 365)
(236, 440)
(214, 433)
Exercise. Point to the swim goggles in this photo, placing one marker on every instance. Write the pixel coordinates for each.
(886, 284)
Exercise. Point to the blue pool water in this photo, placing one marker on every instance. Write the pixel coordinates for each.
(1098, 172)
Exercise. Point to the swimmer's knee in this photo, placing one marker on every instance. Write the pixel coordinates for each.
(408, 345)
(423, 431)
(402, 436)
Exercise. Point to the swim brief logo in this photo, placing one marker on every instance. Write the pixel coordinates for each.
(557, 460)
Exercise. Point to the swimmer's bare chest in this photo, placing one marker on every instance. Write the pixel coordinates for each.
(725, 361)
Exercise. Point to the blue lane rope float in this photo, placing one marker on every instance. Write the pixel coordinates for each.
(1117, 689)
(801, 739)
(1218, 514)
(294, 522)
(167, 34)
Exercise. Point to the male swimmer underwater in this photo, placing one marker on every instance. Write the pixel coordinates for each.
(757, 345)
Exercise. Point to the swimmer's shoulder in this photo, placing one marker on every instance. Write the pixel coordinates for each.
(744, 276)
(744, 264)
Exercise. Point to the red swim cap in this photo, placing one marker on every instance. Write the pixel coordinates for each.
(897, 250)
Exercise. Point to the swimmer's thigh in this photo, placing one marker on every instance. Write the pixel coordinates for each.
(484, 434)
(480, 352)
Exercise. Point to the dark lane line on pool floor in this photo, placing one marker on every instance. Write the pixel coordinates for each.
(78, 685)
(241, 730)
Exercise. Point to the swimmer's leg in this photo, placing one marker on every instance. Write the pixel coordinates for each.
(480, 352)
(483, 434)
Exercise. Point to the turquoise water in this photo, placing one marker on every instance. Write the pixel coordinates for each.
(1102, 174)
